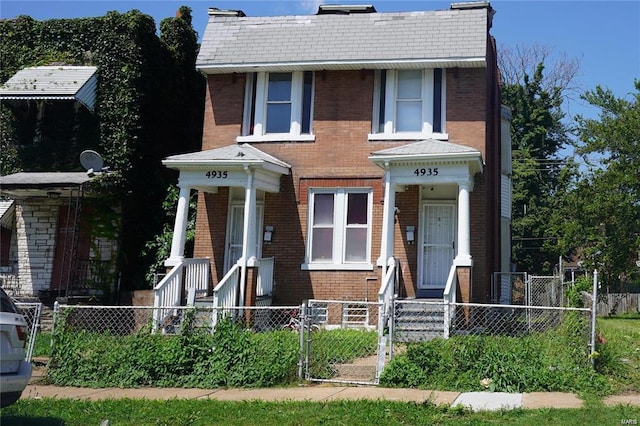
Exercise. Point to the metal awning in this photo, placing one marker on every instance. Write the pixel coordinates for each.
(7, 212)
(75, 83)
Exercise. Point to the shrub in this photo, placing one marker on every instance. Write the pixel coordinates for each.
(557, 360)
(574, 292)
(231, 356)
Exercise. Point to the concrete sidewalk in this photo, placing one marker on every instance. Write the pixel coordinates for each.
(327, 392)
(317, 393)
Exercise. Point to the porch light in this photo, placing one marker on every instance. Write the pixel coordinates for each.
(411, 234)
(268, 233)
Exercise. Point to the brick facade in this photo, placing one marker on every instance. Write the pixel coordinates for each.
(342, 119)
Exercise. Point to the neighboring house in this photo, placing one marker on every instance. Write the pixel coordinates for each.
(345, 143)
(48, 248)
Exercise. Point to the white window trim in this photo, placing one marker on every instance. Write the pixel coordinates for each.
(340, 226)
(389, 132)
(260, 114)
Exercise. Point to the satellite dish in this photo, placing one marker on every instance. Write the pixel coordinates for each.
(91, 161)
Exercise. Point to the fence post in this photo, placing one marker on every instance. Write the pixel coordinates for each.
(447, 319)
(382, 342)
(56, 309)
(594, 305)
(302, 358)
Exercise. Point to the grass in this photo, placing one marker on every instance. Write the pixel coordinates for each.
(619, 351)
(46, 412)
(42, 345)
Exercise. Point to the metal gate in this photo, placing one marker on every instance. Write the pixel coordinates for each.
(343, 342)
(545, 291)
(31, 313)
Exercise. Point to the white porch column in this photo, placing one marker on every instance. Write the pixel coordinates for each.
(248, 233)
(388, 217)
(179, 228)
(464, 225)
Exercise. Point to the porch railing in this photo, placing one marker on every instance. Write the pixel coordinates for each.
(225, 294)
(449, 297)
(188, 274)
(387, 291)
(265, 277)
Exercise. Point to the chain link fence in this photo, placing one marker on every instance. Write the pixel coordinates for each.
(419, 321)
(129, 320)
(344, 343)
(334, 341)
(31, 313)
(545, 291)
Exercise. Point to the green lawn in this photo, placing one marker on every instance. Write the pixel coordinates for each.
(209, 412)
(619, 352)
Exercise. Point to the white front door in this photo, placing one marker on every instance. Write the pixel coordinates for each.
(235, 228)
(438, 246)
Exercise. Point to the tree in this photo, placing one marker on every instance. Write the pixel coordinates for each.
(159, 248)
(540, 174)
(605, 219)
(149, 106)
(517, 61)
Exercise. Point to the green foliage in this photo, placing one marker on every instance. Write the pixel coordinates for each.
(159, 247)
(573, 294)
(606, 210)
(149, 106)
(540, 176)
(231, 356)
(553, 361)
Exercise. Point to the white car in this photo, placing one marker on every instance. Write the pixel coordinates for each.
(15, 371)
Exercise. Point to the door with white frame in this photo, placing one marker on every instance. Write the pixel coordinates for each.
(235, 227)
(437, 240)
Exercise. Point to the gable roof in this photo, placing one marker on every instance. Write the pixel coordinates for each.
(445, 38)
(53, 82)
(228, 155)
(429, 150)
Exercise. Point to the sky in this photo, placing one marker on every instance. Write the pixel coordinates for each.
(604, 36)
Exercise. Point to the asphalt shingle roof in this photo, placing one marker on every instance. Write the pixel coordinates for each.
(426, 147)
(447, 37)
(233, 153)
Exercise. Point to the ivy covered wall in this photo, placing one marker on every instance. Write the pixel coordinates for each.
(150, 105)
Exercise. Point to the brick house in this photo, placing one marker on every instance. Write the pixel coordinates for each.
(343, 143)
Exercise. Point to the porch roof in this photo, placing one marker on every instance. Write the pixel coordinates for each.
(232, 155)
(429, 150)
(39, 184)
(60, 82)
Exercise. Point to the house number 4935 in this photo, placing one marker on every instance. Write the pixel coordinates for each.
(216, 174)
(426, 172)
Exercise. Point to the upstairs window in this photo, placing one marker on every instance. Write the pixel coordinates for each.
(409, 104)
(278, 107)
(339, 229)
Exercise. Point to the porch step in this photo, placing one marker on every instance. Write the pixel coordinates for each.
(416, 322)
